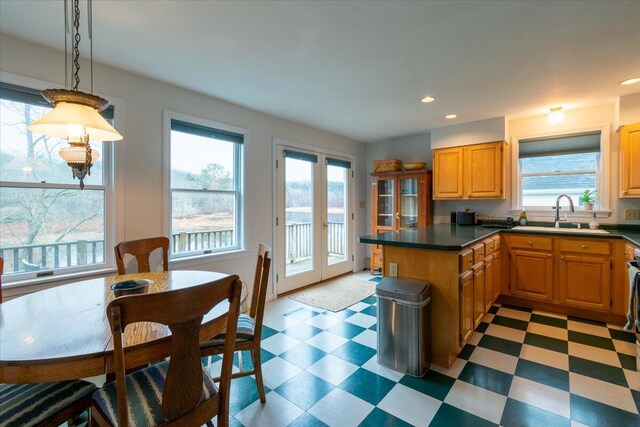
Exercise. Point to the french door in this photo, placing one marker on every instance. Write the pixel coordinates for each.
(313, 217)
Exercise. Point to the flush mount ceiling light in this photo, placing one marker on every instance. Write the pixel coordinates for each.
(556, 116)
(76, 115)
(428, 99)
(450, 116)
(631, 81)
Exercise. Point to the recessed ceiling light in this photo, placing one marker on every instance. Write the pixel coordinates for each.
(428, 99)
(555, 116)
(630, 81)
(450, 116)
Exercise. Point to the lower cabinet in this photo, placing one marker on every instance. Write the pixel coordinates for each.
(532, 274)
(478, 293)
(489, 279)
(585, 281)
(497, 278)
(466, 306)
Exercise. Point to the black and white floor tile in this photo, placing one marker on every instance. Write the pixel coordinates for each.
(520, 368)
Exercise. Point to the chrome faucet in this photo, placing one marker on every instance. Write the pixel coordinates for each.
(558, 209)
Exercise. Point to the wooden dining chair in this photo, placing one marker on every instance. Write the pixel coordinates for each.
(177, 392)
(141, 249)
(43, 404)
(249, 325)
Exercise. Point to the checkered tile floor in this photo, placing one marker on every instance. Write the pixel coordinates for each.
(520, 368)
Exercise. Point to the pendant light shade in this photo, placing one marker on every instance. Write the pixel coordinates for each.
(76, 114)
(70, 120)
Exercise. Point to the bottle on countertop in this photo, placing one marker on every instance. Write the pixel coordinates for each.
(594, 224)
(522, 219)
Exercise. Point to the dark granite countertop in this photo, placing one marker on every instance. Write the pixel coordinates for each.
(448, 237)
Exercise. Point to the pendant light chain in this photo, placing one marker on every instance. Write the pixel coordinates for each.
(76, 45)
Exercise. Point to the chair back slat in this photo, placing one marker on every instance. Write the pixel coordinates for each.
(183, 385)
(182, 311)
(141, 249)
(260, 288)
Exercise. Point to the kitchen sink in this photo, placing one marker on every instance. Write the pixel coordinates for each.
(535, 229)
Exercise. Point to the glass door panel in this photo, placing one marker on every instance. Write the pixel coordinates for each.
(384, 196)
(336, 214)
(408, 202)
(299, 216)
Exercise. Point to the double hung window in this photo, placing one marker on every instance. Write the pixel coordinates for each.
(568, 164)
(205, 185)
(47, 224)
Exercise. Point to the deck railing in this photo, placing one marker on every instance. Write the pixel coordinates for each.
(47, 256)
(82, 252)
(299, 241)
(201, 240)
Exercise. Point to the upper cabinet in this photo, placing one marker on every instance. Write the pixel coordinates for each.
(470, 172)
(629, 157)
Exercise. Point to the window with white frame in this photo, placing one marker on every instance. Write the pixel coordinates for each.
(47, 224)
(205, 184)
(567, 164)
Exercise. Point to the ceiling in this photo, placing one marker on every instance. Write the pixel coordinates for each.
(360, 68)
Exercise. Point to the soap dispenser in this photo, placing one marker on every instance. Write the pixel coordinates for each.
(594, 224)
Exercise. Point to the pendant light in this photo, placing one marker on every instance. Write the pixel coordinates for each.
(76, 114)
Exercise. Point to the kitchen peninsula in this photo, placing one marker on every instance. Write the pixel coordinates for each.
(471, 267)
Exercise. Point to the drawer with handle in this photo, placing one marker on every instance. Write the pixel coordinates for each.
(466, 260)
(531, 242)
(585, 246)
(489, 246)
(478, 252)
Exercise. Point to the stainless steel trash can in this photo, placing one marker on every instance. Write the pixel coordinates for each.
(404, 325)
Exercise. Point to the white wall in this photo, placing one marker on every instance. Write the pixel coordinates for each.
(629, 109)
(144, 102)
(469, 133)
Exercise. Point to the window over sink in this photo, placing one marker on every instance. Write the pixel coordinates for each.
(545, 167)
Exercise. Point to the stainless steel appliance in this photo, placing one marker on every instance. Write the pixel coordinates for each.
(404, 325)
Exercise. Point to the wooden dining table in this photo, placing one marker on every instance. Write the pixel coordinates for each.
(63, 333)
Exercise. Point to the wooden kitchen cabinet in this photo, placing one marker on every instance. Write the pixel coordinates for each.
(484, 171)
(584, 277)
(585, 281)
(497, 277)
(532, 274)
(478, 293)
(399, 200)
(447, 173)
(470, 172)
(466, 306)
(629, 161)
(489, 278)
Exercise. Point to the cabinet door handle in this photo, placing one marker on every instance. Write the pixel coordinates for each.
(530, 243)
(562, 257)
(584, 246)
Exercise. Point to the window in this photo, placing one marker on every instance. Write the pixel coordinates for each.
(47, 224)
(206, 197)
(567, 164)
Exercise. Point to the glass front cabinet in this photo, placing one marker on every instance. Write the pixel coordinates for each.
(400, 200)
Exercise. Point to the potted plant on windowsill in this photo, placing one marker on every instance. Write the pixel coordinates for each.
(588, 198)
